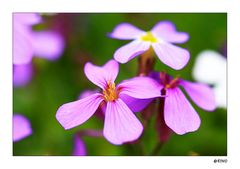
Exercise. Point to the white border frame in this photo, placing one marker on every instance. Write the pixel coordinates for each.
(232, 7)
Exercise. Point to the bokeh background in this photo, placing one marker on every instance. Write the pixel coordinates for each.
(57, 82)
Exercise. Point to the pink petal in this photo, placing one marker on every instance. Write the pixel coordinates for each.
(171, 55)
(48, 44)
(166, 30)
(100, 75)
(21, 127)
(140, 87)
(79, 147)
(131, 50)
(126, 31)
(75, 113)
(22, 74)
(121, 125)
(111, 69)
(179, 114)
(22, 45)
(135, 105)
(102, 108)
(27, 18)
(201, 94)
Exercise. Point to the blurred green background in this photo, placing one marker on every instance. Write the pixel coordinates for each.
(61, 81)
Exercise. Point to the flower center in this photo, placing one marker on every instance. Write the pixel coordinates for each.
(149, 37)
(110, 93)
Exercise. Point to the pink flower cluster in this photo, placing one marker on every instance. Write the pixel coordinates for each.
(27, 44)
(118, 102)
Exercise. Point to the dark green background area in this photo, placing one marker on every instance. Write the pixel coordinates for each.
(61, 81)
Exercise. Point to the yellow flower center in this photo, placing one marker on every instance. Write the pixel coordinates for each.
(149, 37)
(110, 93)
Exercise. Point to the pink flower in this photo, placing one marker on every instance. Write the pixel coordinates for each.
(21, 127)
(179, 115)
(79, 147)
(28, 43)
(160, 38)
(120, 124)
(22, 74)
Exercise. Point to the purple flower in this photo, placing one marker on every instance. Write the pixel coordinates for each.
(160, 39)
(179, 115)
(22, 74)
(120, 124)
(79, 147)
(28, 43)
(21, 127)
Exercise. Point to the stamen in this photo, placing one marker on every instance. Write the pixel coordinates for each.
(110, 93)
(149, 37)
(173, 83)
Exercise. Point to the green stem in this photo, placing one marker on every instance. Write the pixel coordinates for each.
(157, 149)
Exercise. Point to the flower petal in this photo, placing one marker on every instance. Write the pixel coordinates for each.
(171, 55)
(166, 30)
(27, 18)
(126, 31)
(79, 147)
(101, 109)
(22, 74)
(179, 114)
(131, 50)
(111, 69)
(210, 67)
(201, 94)
(220, 92)
(140, 87)
(136, 105)
(21, 127)
(75, 113)
(101, 75)
(48, 44)
(121, 125)
(22, 45)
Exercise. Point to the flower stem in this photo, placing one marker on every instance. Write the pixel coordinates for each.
(146, 63)
(157, 149)
(162, 129)
(91, 133)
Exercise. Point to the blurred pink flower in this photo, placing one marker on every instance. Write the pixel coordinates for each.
(179, 114)
(21, 127)
(160, 38)
(79, 147)
(22, 74)
(120, 124)
(28, 43)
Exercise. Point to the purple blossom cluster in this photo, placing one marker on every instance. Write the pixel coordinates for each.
(117, 104)
(28, 43)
